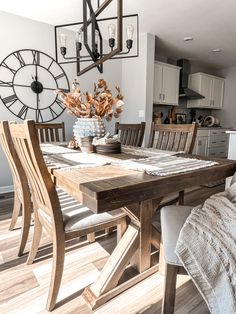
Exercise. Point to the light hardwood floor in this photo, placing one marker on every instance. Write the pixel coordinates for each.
(24, 288)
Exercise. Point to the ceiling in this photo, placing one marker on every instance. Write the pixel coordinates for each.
(210, 22)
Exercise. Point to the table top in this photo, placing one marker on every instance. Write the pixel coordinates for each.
(110, 187)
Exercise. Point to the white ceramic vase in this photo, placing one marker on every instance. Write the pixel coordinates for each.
(88, 128)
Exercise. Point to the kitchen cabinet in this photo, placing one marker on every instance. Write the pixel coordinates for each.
(211, 142)
(166, 84)
(212, 87)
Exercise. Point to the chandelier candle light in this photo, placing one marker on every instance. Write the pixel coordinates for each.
(94, 43)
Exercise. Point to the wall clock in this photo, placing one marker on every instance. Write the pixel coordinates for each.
(27, 80)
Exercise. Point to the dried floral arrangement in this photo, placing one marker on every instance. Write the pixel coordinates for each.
(100, 104)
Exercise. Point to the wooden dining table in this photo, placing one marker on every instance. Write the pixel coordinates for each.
(110, 187)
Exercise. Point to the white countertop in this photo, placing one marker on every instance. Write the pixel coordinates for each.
(231, 131)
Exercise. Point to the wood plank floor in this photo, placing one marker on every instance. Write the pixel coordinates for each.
(24, 288)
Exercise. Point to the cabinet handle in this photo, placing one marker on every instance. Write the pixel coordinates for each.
(164, 97)
(213, 102)
(213, 142)
(160, 96)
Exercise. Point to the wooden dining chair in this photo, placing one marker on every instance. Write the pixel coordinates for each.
(61, 222)
(51, 132)
(171, 137)
(130, 134)
(22, 198)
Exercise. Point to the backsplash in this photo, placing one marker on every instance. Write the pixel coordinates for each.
(182, 108)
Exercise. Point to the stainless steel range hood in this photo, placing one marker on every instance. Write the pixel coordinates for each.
(184, 91)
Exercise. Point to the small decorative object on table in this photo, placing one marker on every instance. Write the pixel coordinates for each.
(180, 118)
(108, 144)
(73, 143)
(91, 111)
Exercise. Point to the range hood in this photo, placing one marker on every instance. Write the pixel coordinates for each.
(184, 91)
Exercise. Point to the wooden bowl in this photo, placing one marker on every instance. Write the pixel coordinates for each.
(114, 148)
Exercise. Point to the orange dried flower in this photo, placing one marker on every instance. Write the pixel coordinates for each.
(100, 104)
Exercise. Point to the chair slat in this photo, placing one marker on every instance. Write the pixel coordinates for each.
(130, 134)
(173, 137)
(51, 132)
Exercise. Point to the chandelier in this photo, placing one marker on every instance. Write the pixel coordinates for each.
(95, 39)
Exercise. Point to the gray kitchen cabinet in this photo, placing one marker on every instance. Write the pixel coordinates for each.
(211, 142)
(209, 86)
(166, 84)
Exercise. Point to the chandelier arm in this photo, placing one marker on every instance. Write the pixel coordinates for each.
(76, 58)
(98, 11)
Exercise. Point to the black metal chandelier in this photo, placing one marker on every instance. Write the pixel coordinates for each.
(89, 36)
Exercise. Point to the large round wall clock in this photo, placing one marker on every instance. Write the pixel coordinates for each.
(28, 79)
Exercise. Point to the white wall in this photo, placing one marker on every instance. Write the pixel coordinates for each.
(20, 33)
(227, 116)
(137, 84)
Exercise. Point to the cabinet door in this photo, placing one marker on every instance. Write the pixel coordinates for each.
(206, 90)
(157, 96)
(170, 85)
(200, 147)
(217, 93)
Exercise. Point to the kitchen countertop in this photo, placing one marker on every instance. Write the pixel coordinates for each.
(231, 131)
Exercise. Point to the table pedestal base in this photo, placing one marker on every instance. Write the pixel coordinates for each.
(134, 248)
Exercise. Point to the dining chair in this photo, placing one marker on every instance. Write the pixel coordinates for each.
(172, 220)
(22, 197)
(130, 134)
(51, 132)
(171, 137)
(61, 221)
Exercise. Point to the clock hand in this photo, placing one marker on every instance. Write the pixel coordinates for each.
(47, 88)
(36, 73)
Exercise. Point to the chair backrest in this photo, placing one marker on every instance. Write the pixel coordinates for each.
(173, 137)
(51, 132)
(18, 174)
(45, 197)
(130, 134)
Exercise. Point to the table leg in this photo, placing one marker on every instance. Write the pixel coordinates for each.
(142, 257)
(114, 268)
(134, 247)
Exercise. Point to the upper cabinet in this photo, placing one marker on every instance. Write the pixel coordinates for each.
(211, 87)
(166, 84)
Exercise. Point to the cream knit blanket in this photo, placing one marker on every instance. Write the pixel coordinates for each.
(207, 249)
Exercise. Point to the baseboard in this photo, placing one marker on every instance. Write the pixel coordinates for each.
(6, 189)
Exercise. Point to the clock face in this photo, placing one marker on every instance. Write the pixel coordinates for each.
(28, 79)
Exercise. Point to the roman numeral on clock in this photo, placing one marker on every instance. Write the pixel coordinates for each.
(5, 84)
(9, 100)
(39, 117)
(36, 57)
(13, 71)
(19, 58)
(53, 113)
(59, 76)
(59, 103)
(23, 112)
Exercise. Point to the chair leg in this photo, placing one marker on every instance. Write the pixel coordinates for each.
(26, 218)
(91, 237)
(15, 213)
(121, 228)
(57, 270)
(181, 198)
(168, 301)
(36, 239)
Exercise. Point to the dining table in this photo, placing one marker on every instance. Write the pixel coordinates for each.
(107, 182)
